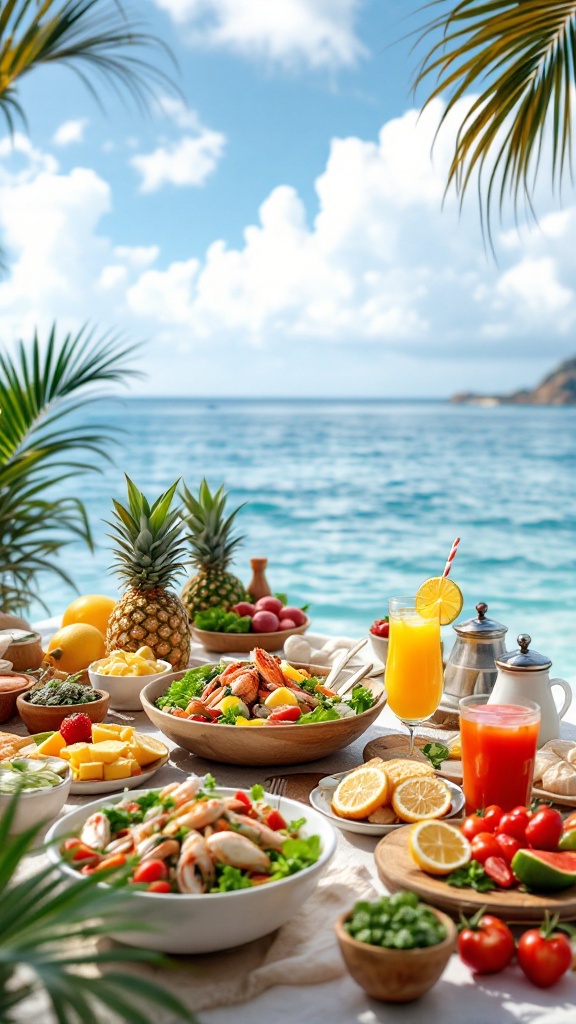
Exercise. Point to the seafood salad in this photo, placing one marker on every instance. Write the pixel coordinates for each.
(188, 838)
(264, 691)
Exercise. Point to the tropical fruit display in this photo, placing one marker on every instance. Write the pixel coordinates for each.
(213, 545)
(74, 647)
(149, 549)
(103, 752)
(90, 609)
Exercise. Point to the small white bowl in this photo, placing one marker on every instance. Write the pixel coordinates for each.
(39, 805)
(206, 923)
(380, 647)
(124, 690)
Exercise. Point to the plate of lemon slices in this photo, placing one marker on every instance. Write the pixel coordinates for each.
(381, 796)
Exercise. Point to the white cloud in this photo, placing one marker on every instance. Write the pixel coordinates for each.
(318, 33)
(70, 131)
(189, 160)
(378, 289)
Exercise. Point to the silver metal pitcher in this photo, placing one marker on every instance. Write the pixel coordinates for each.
(471, 667)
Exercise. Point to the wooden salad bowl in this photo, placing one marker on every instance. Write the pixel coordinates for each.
(229, 643)
(272, 745)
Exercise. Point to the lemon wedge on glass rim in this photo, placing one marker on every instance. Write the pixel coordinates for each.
(439, 597)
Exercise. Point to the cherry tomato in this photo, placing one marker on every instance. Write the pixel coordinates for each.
(498, 869)
(486, 944)
(80, 851)
(544, 829)
(473, 825)
(291, 714)
(199, 718)
(570, 821)
(160, 886)
(484, 845)
(492, 817)
(514, 824)
(243, 798)
(544, 955)
(508, 846)
(275, 821)
(152, 870)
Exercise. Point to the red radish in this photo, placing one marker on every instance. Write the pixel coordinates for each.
(287, 624)
(269, 604)
(265, 622)
(296, 614)
(243, 608)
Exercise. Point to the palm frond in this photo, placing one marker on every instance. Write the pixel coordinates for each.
(521, 58)
(41, 388)
(89, 36)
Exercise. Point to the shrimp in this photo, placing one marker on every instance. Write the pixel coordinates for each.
(195, 869)
(96, 831)
(256, 831)
(238, 851)
(195, 815)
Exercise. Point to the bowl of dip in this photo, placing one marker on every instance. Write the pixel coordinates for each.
(43, 785)
(12, 684)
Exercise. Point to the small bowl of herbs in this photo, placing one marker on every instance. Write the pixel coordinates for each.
(42, 787)
(50, 701)
(396, 947)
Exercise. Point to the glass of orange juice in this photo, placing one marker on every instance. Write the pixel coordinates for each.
(414, 674)
(498, 750)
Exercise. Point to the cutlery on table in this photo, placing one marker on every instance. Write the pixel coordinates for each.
(341, 662)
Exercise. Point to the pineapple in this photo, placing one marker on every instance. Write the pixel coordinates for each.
(212, 548)
(148, 553)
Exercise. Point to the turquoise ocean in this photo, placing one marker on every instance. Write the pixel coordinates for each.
(355, 502)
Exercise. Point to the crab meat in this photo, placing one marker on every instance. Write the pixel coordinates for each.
(96, 831)
(195, 869)
(237, 851)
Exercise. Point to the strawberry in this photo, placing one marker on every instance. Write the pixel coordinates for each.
(380, 627)
(76, 728)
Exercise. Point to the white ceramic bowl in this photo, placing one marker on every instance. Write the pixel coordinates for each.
(39, 805)
(124, 690)
(180, 923)
(379, 645)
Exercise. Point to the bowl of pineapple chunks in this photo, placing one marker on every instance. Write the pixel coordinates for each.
(123, 674)
(103, 757)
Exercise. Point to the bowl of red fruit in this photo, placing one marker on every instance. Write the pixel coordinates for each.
(267, 624)
(379, 631)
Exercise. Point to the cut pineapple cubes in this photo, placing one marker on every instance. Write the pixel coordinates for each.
(116, 752)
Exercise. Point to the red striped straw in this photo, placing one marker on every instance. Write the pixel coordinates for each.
(453, 551)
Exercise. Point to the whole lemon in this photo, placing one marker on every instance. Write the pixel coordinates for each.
(75, 647)
(91, 609)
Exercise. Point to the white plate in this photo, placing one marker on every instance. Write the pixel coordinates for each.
(320, 801)
(94, 787)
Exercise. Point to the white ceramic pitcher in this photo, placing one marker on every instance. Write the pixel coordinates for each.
(525, 675)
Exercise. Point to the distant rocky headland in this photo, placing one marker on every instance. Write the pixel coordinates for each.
(558, 388)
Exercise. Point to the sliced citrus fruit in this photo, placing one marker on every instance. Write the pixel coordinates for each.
(438, 847)
(441, 597)
(360, 793)
(419, 798)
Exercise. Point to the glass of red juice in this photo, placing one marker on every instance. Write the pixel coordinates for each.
(498, 751)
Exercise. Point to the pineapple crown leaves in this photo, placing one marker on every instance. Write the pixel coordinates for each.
(148, 539)
(210, 533)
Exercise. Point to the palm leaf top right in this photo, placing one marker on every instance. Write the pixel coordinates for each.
(518, 58)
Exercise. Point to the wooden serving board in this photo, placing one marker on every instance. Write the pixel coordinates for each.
(397, 871)
(396, 745)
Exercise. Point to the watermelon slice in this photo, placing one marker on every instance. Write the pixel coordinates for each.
(544, 871)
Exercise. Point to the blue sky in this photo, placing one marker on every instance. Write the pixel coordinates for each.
(280, 232)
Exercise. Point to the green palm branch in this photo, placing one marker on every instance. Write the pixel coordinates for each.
(86, 35)
(42, 445)
(520, 56)
(43, 922)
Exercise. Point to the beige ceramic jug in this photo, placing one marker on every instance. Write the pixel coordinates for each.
(525, 675)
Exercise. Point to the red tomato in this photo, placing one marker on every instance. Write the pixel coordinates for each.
(508, 846)
(115, 860)
(544, 955)
(150, 871)
(275, 821)
(243, 798)
(291, 714)
(199, 718)
(492, 817)
(486, 944)
(484, 845)
(473, 825)
(500, 872)
(544, 829)
(160, 886)
(514, 824)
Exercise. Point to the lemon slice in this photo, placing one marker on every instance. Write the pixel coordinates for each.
(439, 596)
(438, 847)
(416, 799)
(360, 793)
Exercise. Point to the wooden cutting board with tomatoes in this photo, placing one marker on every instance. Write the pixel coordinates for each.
(397, 870)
